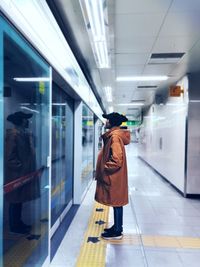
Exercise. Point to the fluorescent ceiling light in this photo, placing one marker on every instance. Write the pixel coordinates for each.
(141, 78)
(102, 54)
(58, 104)
(96, 16)
(30, 109)
(131, 104)
(32, 79)
(175, 104)
(108, 91)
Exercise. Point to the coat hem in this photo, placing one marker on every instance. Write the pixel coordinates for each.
(112, 205)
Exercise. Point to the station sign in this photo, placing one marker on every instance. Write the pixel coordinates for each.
(175, 91)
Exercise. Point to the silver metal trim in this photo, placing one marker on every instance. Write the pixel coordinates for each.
(60, 219)
(186, 150)
(50, 154)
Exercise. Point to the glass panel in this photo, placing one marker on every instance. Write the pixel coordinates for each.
(87, 146)
(100, 132)
(26, 147)
(62, 152)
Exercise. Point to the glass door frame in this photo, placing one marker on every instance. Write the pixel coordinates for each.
(59, 220)
(9, 28)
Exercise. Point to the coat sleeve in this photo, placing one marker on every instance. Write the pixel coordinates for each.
(116, 156)
(98, 165)
(12, 159)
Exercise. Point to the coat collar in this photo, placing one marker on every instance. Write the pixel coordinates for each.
(107, 135)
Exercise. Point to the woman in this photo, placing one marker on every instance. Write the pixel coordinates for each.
(111, 172)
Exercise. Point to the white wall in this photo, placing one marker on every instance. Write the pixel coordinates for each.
(162, 138)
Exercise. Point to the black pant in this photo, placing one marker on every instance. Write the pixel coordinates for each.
(15, 213)
(118, 219)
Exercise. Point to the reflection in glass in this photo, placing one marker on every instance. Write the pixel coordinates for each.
(100, 132)
(62, 152)
(87, 146)
(26, 147)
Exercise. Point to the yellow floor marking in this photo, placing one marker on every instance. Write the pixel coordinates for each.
(188, 242)
(148, 241)
(93, 254)
(128, 239)
(171, 241)
(166, 241)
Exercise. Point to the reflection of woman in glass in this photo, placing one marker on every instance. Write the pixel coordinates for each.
(19, 162)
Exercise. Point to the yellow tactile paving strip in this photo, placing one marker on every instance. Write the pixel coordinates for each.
(93, 254)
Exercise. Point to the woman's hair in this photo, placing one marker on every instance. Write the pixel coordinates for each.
(115, 118)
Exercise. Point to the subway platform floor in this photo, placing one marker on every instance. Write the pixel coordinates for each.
(161, 227)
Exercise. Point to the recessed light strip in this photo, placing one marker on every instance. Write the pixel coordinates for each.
(32, 79)
(141, 78)
(95, 14)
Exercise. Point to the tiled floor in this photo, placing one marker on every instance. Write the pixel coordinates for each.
(161, 228)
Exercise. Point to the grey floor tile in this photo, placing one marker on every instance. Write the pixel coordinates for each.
(158, 258)
(190, 259)
(124, 256)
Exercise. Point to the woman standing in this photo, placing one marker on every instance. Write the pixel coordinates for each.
(111, 172)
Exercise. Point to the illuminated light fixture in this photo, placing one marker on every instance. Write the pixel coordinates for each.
(131, 104)
(32, 79)
(58, 104)
(108, 91)
(95, 16)
(141, 78)
(30, 109)
(175, 104)
(194, 101)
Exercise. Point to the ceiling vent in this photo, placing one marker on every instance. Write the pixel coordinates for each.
(165, 58)
(147, 86)
(138, 100)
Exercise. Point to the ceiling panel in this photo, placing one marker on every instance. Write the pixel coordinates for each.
(129, 70)
(142, 6)
(158, 69)
(130, 59)
(136, 44)
(129, 25)
(182, 6)
(124, 89)
(170, 44)
(126, 86)
(181, 24)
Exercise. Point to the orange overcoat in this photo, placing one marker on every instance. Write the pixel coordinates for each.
(111, 169)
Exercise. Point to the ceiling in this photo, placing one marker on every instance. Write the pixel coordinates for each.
(138, 28)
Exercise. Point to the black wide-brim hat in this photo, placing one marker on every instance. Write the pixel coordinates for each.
(115, 118)
(18, 116)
